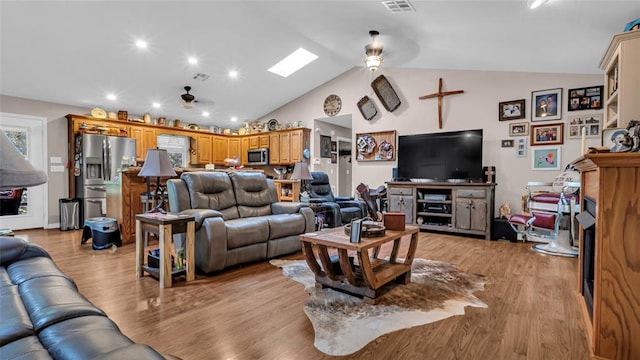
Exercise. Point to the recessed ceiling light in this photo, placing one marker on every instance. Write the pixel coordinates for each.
(234, 119)
(156, 105)
(233, 74)
(193, 61)
(205, 113)
(292, 63)
(111, 97)
(141, 44)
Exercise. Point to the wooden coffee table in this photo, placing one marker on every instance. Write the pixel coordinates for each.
(370, 274)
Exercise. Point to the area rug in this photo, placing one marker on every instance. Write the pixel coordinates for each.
(344, 324)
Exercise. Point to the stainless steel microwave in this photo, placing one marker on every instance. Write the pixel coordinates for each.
(258, 157)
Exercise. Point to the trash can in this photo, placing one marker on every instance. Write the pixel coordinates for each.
(70, 214)
(103, 231)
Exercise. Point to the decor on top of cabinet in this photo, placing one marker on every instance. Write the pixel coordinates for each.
(546, 105)
(386, 93)
(367, 108)
(98, 113)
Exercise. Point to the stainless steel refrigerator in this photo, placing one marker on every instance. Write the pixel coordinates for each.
(100, 159)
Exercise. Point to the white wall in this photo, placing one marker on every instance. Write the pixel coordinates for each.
(477, 108)
(58, 183)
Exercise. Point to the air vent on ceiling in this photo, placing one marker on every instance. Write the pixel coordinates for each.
(200, 76)
(397, 6)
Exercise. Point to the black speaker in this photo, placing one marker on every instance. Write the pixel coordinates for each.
(394, 174)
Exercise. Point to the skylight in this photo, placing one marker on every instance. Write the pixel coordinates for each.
(294, 62)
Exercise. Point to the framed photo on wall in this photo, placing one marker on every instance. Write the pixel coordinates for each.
(334, 146)
(519, 129)
(325, 146)
(334, 158)
(547, 158)
(511, 110)
(547, 134)
(589, 98)
(507, 143)
(546, 105)
(591, 122)
(521, 147)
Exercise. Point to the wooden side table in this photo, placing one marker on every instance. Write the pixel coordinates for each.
(165, 226)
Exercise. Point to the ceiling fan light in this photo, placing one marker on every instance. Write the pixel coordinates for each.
(187, 105)
(373, 62)
(373, 52)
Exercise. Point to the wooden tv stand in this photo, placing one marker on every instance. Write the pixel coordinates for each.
(465, 208)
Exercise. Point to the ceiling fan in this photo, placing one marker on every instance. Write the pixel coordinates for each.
(187, 99)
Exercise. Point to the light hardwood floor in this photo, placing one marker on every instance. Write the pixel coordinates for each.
(254, 312)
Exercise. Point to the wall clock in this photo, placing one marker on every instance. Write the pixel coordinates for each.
(332, 105)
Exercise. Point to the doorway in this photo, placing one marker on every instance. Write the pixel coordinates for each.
(345, 187)
(29, 135)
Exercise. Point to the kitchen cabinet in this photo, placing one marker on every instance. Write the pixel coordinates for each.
(274, 149)
(220, 144)
(244, 147)
(233, 148)
(204, 149)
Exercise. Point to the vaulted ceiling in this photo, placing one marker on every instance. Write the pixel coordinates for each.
(78, 52)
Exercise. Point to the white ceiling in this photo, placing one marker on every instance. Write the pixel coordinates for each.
(76, 52)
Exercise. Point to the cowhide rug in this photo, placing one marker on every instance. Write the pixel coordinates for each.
(343, 324)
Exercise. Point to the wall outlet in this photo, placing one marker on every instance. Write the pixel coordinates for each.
(55, 160)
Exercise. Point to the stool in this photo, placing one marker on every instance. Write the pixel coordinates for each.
(103, 231)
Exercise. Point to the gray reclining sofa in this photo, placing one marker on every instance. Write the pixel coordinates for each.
(238, 217)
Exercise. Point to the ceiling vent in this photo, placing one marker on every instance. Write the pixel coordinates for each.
(200, 76)
(397, 6)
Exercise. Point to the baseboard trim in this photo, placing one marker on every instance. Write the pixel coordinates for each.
(52, 226)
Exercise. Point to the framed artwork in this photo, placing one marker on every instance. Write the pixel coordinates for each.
(521, 147)
(547, 158)
(588, 98)
(614, 139)
(334, 158)
(546, 105)
(367, 108)
(385, 93)
(334, 146)
(519, 129)
(507, 143)
(547, 134)
(591, 122)
(511, 110)
(325, 146)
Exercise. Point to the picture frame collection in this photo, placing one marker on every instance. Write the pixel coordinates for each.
(546, 106)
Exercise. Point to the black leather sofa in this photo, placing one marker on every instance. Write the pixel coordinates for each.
(43, 316)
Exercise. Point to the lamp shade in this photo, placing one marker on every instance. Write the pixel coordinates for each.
(157, 164)
(301, 171)
(15, 170)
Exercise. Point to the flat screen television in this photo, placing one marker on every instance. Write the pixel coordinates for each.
(448, 156)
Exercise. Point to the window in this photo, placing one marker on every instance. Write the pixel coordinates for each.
(177, 147)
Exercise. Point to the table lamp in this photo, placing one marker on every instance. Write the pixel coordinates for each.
(301, 172)
(15, 170)
(156, 164)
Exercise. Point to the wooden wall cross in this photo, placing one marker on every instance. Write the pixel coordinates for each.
(440, 94)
